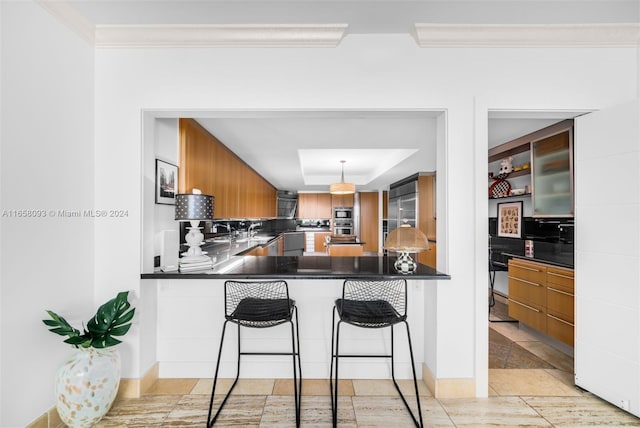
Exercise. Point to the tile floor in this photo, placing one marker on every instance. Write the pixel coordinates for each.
(530, 385)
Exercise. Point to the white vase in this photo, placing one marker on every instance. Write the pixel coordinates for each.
(86, 385)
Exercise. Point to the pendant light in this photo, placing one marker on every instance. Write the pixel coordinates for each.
(342, 188)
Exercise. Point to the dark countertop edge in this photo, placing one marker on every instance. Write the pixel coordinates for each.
(320, 273)
(345, 243)
(534, 259)
(177, 275)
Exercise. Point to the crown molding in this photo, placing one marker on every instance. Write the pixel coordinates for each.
(527, 35)
(188, 36)
(66, 13)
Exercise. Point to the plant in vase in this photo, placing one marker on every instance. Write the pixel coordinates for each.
(87, 383)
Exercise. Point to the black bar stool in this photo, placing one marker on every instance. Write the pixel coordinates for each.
(371, 304)
(259, 304)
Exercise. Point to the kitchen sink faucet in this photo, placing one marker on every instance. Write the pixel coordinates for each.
(251, 230)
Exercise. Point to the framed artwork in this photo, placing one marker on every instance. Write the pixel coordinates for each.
(510, 219)
(166, 182)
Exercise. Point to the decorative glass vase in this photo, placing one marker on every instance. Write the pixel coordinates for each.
(86, 385)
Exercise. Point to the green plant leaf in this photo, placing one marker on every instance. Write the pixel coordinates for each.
(60, 325)
(120, 331)
(111, 319)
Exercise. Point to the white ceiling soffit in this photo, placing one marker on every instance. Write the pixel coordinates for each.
(527, 35)
(362, 166)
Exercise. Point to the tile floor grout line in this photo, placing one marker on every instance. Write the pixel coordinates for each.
(537, 412)
(446, 412)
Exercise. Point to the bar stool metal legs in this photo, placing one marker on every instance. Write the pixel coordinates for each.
(259, 311)
(371, 311)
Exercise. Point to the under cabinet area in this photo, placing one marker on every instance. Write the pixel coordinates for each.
(541, 296)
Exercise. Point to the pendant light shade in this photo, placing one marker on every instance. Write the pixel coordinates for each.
(342, 188)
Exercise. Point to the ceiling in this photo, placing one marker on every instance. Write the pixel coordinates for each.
(362, 16)
(303, 150)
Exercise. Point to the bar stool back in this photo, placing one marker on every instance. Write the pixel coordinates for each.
(371, 304)
(259, 304)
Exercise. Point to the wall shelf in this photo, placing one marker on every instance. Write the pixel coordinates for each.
(515, 174)
(524, 195)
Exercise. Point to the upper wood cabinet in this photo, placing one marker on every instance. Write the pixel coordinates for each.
(385, 204)
(324, 206)
(342, 200)
(426, 205)
(314, 205)
(552, 160)
(208, 165)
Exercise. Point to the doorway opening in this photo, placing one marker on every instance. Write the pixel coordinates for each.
(522, 359)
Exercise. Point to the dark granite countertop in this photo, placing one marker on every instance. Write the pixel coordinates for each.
(303, 267)
(557, 260)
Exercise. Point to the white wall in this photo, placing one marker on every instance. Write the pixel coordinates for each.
(46, 164)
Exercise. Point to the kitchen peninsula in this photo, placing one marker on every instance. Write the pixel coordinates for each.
(186, 346)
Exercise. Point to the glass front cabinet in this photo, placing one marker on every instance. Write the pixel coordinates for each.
(552, 163)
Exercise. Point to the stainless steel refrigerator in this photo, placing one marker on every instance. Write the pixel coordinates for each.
(403, 205)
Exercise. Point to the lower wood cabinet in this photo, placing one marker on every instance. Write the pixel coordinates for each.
(560, 304)
(319, 240)
(541, 296)
(345, 250)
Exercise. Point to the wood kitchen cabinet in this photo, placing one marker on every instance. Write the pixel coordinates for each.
(369, 220)
(560, 304)
(427, 217)
(342, 200)
(319, 240)
(314, 205)
(208, 165)
(385, 204)
(323, 207)
(552, 159)
(541, 296)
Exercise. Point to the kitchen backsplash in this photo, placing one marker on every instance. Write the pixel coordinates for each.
(552, 241)
(553, 230)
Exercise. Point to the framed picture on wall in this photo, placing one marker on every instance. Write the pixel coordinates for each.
(166, 182)
(510, 219)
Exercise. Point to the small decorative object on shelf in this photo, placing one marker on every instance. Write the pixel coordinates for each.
(500, 188)
(88, 382)
(506, 167)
